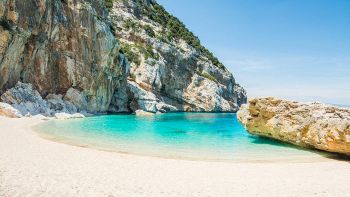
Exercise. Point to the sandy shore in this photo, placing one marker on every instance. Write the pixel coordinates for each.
(33, 166)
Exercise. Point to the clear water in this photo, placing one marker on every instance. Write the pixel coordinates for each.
(204, 136)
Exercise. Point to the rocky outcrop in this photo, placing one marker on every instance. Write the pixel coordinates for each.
(174, 72)
(143, 113)
(26, 100)
(9, 111)
(68, 51)
(312, 125)
(146, 100)
(29, 102)
(59, 46)
(65, 116)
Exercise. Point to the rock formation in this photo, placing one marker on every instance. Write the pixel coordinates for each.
(29, 102)
(143, 113)
(67, 51)
(170, 69)
(65, 116)
(313, 125)
(61, 45)
(8, 111)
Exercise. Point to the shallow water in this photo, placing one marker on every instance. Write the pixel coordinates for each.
(203, 136)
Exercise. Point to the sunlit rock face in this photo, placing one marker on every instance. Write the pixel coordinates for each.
(173, 71)
(68, 51)
(311, 125)
(7, 110)
(60, 45)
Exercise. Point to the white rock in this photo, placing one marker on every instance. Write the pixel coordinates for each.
(143, 113)
(65, 116)
(8, 111)
(147, 101)
(26, 100)
(41, 117)
(173, 77)
(78, 115)
(86, 114)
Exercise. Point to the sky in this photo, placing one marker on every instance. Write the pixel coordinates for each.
(291, 49)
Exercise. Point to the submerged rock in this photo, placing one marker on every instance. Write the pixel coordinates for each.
(8, 111)
(313, 125)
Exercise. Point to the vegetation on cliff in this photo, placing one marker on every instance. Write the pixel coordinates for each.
(169, 68)
(173, 29)
(177, 30)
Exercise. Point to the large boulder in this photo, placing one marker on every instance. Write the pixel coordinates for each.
(143, 113)
(57, 104)
(311, 125)
(26, 100)
(65, 116)
(77, 98)
(146, 100)
(8, 111)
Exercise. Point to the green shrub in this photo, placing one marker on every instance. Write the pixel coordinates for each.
(130, 24)
(109, 4)
(208, 76)
(133, 77)
(132, 56)
(147, 51)
(149, 31)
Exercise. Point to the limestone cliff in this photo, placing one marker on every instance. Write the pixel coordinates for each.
(59, 47)
(67, 51)
(313, 125)
(170, 69)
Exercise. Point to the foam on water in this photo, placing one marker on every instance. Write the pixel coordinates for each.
(203, 136)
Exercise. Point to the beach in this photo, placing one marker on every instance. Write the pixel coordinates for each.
(33, 166)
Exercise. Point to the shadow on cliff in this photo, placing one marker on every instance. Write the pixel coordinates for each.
(269, 141)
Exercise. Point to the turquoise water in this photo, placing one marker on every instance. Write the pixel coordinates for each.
(204, 136)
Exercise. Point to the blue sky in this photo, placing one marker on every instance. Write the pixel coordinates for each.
(294, 49)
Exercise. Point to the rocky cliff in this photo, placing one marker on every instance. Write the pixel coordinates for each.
(170, 69)
(62, 47)
(68, 51)
(313, 125)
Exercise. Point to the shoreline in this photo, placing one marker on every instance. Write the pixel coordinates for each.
(31, 165)
(319, 156)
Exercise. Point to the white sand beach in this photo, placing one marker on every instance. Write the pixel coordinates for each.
(33, 166)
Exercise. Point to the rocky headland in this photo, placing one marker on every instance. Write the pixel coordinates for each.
(310, 125)
(88, 56)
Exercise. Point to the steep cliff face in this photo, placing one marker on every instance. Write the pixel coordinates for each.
(312, 125)
(68, 51)
(170, 69)
(62, 46)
